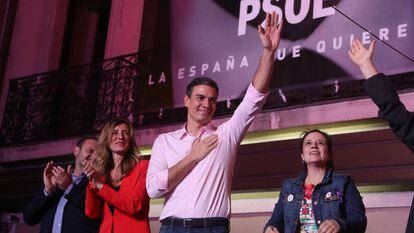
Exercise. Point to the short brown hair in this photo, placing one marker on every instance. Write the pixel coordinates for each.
(201, 81)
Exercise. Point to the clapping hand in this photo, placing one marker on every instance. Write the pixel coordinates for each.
(92, 173)
(48, 180)
(62, 177)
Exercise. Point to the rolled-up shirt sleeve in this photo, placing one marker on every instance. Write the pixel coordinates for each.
(157, 176)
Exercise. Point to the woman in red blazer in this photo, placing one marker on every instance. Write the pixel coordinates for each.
(116, 192)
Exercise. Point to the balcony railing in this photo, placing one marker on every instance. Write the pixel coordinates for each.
(79, 100)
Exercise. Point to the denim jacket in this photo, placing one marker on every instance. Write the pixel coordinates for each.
(336, 197)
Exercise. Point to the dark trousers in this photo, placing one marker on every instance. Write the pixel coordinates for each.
(180, 229)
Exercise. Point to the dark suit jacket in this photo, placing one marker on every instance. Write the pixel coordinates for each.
(401, 121)
(42, 210)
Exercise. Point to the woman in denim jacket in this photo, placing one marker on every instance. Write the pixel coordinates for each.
(319, 200)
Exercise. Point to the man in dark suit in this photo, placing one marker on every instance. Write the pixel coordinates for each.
(60, 204)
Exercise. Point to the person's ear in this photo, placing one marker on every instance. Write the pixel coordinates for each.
(186, 100)
(76, 151)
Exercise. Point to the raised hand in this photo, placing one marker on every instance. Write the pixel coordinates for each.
(201, 148)
(48, 181)
(359, 54)
(270, 36)
(363, 57)
(62, 177)
(329, 226)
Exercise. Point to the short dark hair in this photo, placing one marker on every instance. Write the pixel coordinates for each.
(201, 81)
(82, 140)
(328, 143)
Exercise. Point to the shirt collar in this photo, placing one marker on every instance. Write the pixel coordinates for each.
(327, 177)
(206, 129)
(77, 179)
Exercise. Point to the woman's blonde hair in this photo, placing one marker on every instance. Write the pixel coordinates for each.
(104, 161)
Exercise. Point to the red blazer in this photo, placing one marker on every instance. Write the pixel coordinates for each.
(131, 203)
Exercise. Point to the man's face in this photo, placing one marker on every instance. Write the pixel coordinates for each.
(86, 152)
(201, 104)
